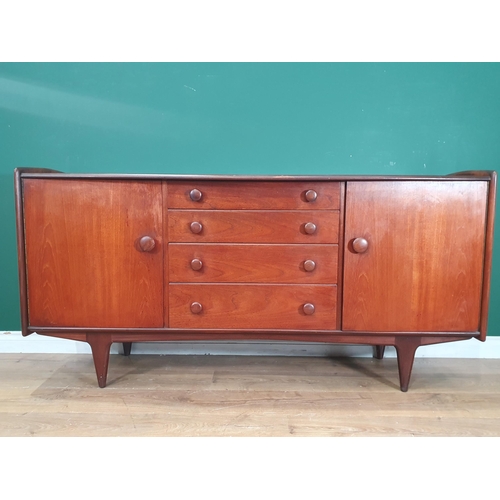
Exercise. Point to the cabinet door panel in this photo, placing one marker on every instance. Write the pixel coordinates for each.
(422, 270)
(85, 266)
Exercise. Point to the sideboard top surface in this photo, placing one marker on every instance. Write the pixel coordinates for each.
(46, 173)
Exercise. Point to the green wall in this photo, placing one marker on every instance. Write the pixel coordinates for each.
(245, 118)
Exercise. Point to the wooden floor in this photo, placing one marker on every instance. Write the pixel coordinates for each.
(57, 395)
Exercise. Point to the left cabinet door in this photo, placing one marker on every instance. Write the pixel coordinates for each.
(94, 253)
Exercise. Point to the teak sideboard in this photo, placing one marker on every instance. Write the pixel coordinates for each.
(381, 261)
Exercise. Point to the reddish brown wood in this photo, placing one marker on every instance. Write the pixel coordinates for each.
(100, 345)
(195, 195)
(405, 345)
(310, 228)
(21, 254)
(196, 264)
(488, 256)
(147, 244)
(254, 195)
(484, 175)
(308, 309)
(166, 261)
(196, 227)
(340, 267)
(239, 226)
(63, 334)
(309, 266)
(476, 174)
(429, 241)
(216, 334)
(405, 348)
(423, 269)
(359, 245)
(196, 308)
(378, 351)
(253, 306)
(83, 267)
(226, 263)
(311, 195)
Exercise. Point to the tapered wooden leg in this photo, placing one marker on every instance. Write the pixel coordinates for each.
(378, 351)
(127, 348)
(405, 348)
(100, 345)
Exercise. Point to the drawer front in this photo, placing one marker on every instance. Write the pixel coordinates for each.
(226, 226)
(209, 263)
(243, 307)
(254, 195)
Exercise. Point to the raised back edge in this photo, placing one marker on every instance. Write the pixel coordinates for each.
(488, 256)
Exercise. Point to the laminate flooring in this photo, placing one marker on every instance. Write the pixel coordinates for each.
(57, 395)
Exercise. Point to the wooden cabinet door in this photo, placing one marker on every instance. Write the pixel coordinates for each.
(85, 263)
(423, 266)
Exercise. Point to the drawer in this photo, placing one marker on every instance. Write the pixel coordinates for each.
(244, 307)
(233, 226)
(229, 263)
(254, 195)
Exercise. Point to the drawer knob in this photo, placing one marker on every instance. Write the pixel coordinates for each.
(309, 265)
(196, 308)
(311, 195)
(147, 244)
(360, 245)
(196, 264)
(195, 194)
(308, 309)
(309, 228)
(196, 227)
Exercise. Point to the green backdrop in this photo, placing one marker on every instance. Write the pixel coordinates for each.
(243, 118)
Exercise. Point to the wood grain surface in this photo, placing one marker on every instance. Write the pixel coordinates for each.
(253, 263)
(246, 306)
(416, 260)
(256, 195)
(84, 265)
(239, 226)
(423, 269)
(56, 395)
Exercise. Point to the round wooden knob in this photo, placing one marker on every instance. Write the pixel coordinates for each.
(196, 308)
(310, 228)
(311, 195)
(195, 194)
(308, 309)
(146, 244)
(196, 264)
(196, 227)
(360, 245)
(309, 265)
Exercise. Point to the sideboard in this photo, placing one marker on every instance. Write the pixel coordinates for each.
(399, 261)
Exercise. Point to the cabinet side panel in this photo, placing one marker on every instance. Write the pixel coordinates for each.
(85, 267)
(490, 223)
(423, 269)
(21, 256)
